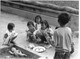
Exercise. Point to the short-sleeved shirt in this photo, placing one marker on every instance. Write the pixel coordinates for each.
(50, 30)
(63, 38)
(38, 26)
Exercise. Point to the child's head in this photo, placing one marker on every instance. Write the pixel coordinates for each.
(10, 27)
(30, 25)
(63, 19)
(38, 19)
(45, 24)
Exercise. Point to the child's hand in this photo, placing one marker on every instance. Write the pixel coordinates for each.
(11, 36)
(72, 44)
(48, 31)
(28, 32)
(5, 35)
(72, 48)
(16, 34)
(35, 32)
(46, 34)
(38, 40)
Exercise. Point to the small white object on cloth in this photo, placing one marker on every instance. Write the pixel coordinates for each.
(39, 49)
(7, 57)
(31, 45)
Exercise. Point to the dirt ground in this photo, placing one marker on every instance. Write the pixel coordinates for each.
(20, 27)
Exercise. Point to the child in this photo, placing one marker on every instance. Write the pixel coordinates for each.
(38, 21)
(9, 44)
(45, 29)
(62, 38)
(10, 35)
(31, 30)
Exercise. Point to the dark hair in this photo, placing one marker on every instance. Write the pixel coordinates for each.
(10, 26)
(46, 23)
(30, 23)
(38, 16)
(63, 18)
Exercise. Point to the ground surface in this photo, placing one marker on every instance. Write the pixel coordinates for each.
(20, 28)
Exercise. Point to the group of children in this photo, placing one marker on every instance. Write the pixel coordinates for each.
(40, 31)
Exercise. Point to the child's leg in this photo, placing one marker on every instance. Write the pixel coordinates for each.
(67, 55)
(38, 37)
(45, 38)
(42, 37)
(30, 39)
(59, 55)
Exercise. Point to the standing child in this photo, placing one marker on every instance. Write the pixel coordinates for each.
(38, 21)
(63, 38)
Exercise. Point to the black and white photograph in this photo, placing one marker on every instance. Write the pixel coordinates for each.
(39, 29)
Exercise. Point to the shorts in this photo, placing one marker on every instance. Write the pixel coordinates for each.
(62, 55)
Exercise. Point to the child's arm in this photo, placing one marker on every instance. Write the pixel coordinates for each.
(53, 41)
(55, 36)
(28, 33)
(11, 39)
(5, 35)
(36, 32)
(48, 38)
(13, 36)
(5, 41)
(72, 45)
(70, 31)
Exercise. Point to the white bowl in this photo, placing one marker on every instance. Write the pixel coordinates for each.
(39, 49)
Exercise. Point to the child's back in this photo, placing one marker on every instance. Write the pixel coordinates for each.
(64, 38)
